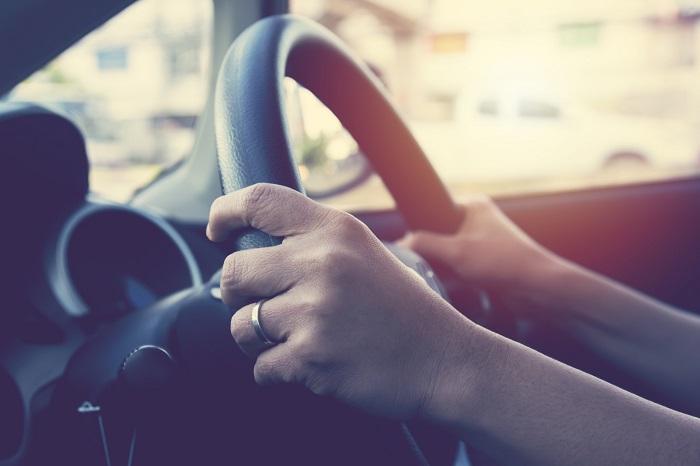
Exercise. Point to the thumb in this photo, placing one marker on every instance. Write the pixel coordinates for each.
(430, 245)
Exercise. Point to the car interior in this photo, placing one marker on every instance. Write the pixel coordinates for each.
(114, 342)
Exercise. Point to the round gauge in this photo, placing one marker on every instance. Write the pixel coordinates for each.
(112, 259)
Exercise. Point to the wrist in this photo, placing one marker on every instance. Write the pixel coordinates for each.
(530, 273)
(538, 273)
(467, 372)
(557, 285)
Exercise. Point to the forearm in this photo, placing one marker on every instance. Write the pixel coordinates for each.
(524, 408)
(648, 339)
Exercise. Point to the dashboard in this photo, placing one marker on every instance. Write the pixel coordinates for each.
(103, 262)
(93, 291)
(72, 264)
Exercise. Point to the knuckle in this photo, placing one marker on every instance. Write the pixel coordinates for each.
(238, 331)
(336, 262)
(234, 271)
(311, 354)
(267, 371)
(263, 372)
(265, 204)
(324, 306)
(257, 196)
(216, 211)
(350, 228)
(304, 354)
(306, 365)
(216, 205)
(333, 256)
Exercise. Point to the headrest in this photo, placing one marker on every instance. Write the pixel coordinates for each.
(42, 149)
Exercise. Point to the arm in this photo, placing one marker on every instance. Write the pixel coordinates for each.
(525, 408)
(653, 341)
(354, 323)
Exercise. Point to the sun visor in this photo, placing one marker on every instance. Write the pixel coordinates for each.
(44, 149)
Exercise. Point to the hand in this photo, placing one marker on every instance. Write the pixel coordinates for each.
(488, 249)
(353, 322)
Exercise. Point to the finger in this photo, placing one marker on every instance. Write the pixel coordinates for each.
(271, 319)
(477, 207)
(274, 209)
(256, 273)
(276, 366)
(430, 245)
(293, 362)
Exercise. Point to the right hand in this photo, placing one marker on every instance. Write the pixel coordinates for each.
(351, 320)
(489, 249)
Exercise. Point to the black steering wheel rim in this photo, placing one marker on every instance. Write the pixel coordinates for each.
(254, 144)
(253, 139)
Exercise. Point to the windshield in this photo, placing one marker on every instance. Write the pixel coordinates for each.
(135, 87)
(518, 96)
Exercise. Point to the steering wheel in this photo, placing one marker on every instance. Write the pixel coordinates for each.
(166, 384)
(252, 134)
(254, 143)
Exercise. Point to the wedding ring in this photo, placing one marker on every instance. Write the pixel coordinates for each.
(258, 327)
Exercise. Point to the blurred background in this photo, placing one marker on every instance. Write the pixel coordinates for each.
(136, 87)
(505, 96)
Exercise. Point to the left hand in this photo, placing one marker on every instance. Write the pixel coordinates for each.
(353, 322)
(488, 249)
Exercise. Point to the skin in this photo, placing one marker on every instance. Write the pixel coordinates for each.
(648, 339)
(355, 324)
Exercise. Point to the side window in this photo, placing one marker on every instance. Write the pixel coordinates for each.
(516, 97)
(136, 87)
